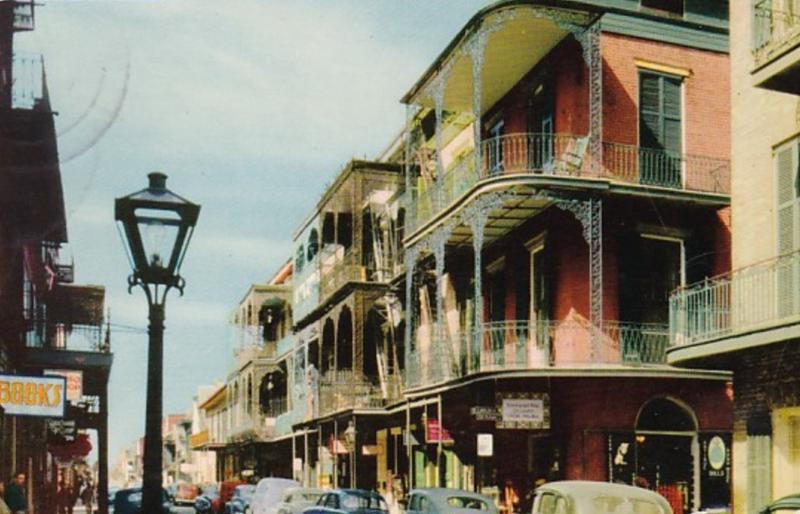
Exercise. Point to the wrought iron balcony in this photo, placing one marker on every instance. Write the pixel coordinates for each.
(347, 390)
(276, 407)
(23, 15)
(776, 29)
(74, 338)
(337, 269)
(758, 297)
(534, 345)
(27, 89)
(559, 155)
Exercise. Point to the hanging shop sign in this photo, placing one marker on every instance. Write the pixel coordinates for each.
(61, 430)
(370, 449)
(621, 455)
(33, 396)
(523, 410)
(74, 382)
(485, 445)
(436, 433)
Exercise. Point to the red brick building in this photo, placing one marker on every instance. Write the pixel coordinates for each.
(568, 169)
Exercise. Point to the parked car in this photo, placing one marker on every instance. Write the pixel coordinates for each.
(185, 494)
(224, 495)
(269, 492)
(585, 497)
(349, 501)
(129, 501)
(296, 499)
(787, 503)
(440, 500)
(242, 497)
(205, 501)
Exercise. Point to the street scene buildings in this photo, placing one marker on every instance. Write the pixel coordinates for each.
(576, 260)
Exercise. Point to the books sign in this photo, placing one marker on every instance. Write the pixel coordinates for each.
(33, 396)
(523, 410)
(436, 433)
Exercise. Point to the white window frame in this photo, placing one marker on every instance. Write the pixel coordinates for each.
(672, 239)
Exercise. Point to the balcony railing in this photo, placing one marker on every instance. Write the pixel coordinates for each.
(761, 296)
(527, 345)
(23, 15)
(776, 29)
(560, 155)
(347, 390)
(276, 407)
(337, 269)
(28, 86)
(76, 338)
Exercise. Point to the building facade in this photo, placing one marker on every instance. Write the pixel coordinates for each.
(746, 320)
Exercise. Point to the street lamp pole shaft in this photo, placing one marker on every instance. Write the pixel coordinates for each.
(151, 481)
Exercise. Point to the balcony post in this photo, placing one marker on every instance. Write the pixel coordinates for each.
(411, 255)
(589, 38)
(477, 225)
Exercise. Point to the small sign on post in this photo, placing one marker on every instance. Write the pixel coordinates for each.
(485, 445)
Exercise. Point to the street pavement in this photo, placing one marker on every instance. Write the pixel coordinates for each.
(183, 509)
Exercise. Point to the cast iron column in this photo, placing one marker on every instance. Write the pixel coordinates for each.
(102, 452)
(151, 481)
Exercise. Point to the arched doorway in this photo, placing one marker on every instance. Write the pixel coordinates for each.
(328, 344)
(667, 452)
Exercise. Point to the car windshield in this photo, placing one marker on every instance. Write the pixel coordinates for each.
(306, 497)
(623, 505)
(244, 491)
(355, 502)
(464, 502)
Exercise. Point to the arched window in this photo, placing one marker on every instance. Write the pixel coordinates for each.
(313, 244)
(249, 406)
(665, 415)
(344, 340)
(299, 259)
(328, 343)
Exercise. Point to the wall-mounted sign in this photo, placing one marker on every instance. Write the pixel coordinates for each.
(297, 464)
(74, 382)
(436, 433)
(715, 469)
(370, 449)
(523, 410)
(483, 413)
(63, 430)
(485, 445)
(33, 396)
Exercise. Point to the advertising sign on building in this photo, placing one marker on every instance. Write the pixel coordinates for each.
(523, 410)
(74, 382)
(715, 469)
(436, 433)
(33, 396)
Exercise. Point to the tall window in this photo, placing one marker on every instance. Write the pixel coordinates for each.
(759, 461)
(660, 130)
(496, 147)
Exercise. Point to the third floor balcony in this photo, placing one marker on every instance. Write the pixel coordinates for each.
(550, 159)
(776, 45)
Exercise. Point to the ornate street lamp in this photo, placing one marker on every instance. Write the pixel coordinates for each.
(158, 225)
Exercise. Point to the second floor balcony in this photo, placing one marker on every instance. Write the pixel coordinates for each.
(776, 45)
(549, 158)
(533, 346)
(753, 305)
(347, 390)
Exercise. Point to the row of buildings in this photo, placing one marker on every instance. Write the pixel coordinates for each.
(578, 260)
(49, 325)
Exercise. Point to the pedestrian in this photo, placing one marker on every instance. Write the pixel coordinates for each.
(510, 497)
(3, 506)
(87, 495)
(15, 494)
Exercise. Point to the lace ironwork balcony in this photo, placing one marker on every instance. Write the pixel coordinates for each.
(275, 407)
(337, 269)
(28, 87)
(527, 345)
(761, 296)
(776, 29)
(563, 155)
(346, 390)
(74, 338)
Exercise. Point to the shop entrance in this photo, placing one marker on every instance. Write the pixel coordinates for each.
(667, 453)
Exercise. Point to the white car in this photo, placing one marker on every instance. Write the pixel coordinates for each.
(584, 497)
(269, 493)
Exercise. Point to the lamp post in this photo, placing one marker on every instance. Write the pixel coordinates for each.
(157, 226)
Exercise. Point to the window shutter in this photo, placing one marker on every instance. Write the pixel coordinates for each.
(649, 108)
(786, 196)
(759, 472)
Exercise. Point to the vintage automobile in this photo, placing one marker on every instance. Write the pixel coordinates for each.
(208, 499)
(296, 499)
(185, 494)
(240, 501)
(585, 497)
(440, 500)
(129, 501)
(349, 501)
(269, 492)
(785, 504)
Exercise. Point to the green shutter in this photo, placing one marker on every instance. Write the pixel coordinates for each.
(660, 131)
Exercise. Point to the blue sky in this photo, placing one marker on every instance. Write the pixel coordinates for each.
(250, 107)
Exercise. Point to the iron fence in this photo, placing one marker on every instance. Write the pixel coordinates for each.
(776, 28)
(754, 297)
(59, 336)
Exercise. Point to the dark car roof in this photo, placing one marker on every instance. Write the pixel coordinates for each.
(357, 492)
(787, 502)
